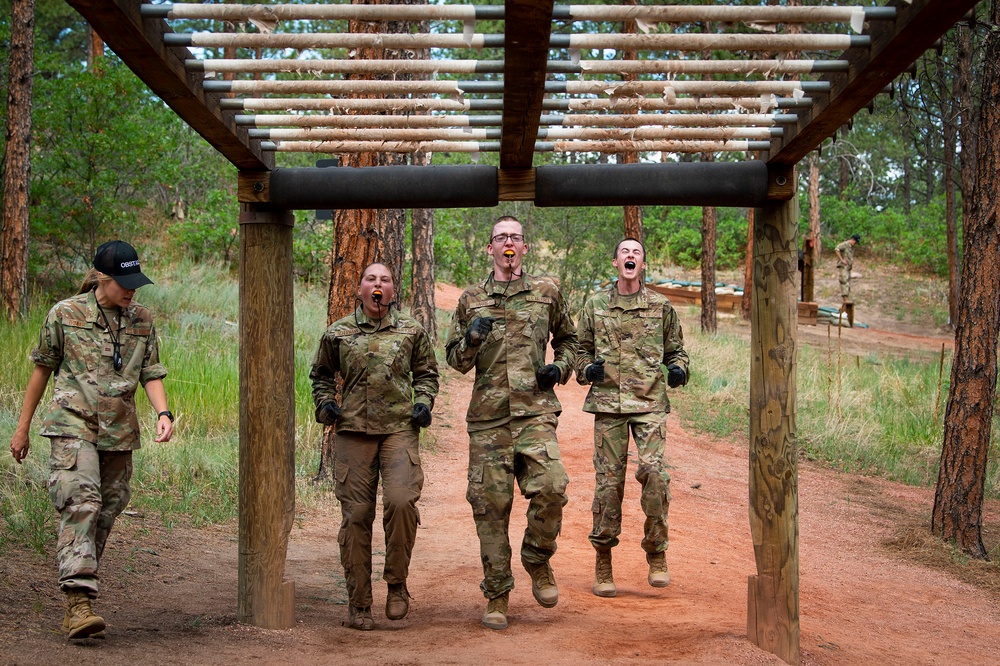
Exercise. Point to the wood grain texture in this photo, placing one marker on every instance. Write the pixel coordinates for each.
(267, 418)
(773, 594)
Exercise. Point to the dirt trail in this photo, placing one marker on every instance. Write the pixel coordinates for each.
(170, 596)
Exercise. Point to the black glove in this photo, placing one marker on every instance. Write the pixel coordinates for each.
(547, 376)
(328, 413)
(595, 372)
(479, 328)
(421, 415)
(676, 376)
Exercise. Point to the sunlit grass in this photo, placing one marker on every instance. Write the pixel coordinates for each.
(864, 414)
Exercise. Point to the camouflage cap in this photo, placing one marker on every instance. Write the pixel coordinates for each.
(119, 260)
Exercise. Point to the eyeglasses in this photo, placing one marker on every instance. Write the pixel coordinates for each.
(502, 238)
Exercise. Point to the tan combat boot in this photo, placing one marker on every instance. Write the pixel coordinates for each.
(359, 618)
(659, 575)
(604, 582)
(543, 584)
(495, 616)
(80, 621)
(397, 603)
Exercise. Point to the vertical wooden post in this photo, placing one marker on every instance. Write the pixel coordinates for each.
(808, 270)
(773, 594)
(267, 417)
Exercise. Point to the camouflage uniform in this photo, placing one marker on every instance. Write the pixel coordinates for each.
(92, 424)
(385, 370)
(844, 267)
(511, 423)
(636, 335)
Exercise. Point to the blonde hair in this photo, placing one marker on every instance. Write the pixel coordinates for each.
(91, 280)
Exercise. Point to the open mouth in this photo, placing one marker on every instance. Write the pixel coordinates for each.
(509, 254)
(630, 265)
(377, 296)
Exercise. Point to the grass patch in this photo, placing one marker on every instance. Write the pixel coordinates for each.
(869, 415)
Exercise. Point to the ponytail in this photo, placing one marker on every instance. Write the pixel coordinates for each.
(89, 281)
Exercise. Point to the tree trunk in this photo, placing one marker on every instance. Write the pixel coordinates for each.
(814, 209)
(361, 237)
(958, 501)
(709, 307)
(17, 175)
(95, 47)
(423, 308)
(632, 215)
(845, 177)
(747, 302)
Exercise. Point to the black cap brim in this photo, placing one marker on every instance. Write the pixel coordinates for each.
(132, 280)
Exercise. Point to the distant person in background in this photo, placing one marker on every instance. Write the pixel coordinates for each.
(502, 328)
(627, 335)
(101, 346)
(390, 380)
(845, 263)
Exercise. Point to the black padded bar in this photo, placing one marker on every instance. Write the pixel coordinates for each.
(724, 184)
(384, 187)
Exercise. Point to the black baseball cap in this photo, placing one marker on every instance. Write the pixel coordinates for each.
(119, 260)
(856, 237)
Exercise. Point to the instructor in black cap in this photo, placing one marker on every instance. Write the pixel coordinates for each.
(101, 346)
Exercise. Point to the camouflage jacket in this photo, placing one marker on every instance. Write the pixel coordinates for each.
(846, 250)
(636, 336)
(91, 401)
(385, 370)
(532, 311)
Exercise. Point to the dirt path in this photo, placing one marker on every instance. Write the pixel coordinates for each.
(170, 596)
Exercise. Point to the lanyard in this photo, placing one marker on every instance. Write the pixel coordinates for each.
(115, 338)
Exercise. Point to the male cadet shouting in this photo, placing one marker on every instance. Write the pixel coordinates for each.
(627, 335)
(501, 328)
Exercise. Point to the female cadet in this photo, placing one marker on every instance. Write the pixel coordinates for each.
(101, 346)
(390, 379)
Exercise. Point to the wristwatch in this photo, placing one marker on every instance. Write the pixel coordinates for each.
(167, 414)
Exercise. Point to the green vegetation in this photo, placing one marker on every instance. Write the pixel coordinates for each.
(869, 415)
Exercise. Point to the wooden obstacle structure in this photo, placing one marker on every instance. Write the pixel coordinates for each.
(515, 100)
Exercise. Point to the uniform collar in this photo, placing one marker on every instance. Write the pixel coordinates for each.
(391, 319)
(637, 301)
(496, 287)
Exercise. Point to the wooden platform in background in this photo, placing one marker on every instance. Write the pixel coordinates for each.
(728, 302)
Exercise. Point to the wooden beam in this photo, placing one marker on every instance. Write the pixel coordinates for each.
(773, 594)
(895, 45)
(267, 418)
(528, 30)
(139, 43)
(516, 184)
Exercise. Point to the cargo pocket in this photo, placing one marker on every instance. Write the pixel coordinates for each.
(552, 450)
(416, 474)
(476, 493)
(595, 508)
(64, 452)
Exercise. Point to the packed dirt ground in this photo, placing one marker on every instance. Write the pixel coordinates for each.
(874, 587)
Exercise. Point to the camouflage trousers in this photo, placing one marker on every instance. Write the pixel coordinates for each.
(611, 433)
(844, 277)
(360, 460)
(524, 449)
(89, 489)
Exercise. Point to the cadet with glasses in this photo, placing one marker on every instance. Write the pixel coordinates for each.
(390, 380)
(502, 328)
(627, 335)
(101, 346)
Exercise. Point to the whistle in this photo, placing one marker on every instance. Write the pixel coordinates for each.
(509, 254)
(377, 296)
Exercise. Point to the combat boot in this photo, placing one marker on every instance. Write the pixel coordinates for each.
(495, 616)
(543, 584)
(397, 603)
(659, 574)
(604, 582)
(80, 621)
(359, 618)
